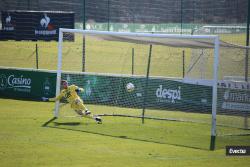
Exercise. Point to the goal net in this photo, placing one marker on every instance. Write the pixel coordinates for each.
(160, 88)
(233, 80)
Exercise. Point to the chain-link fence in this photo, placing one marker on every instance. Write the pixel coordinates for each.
(178, 16)
(224, 17)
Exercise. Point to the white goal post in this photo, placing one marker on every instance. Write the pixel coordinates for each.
(173, 40)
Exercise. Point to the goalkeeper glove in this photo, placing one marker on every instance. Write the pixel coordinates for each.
(45, 99)
(79, 90)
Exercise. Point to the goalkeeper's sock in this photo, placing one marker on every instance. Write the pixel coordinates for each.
(98, 119)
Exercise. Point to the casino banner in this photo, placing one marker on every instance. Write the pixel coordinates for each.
(26, 83)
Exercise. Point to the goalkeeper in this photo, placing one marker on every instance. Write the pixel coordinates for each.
(70, 94)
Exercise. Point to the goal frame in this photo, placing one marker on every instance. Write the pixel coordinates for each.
(216, 46)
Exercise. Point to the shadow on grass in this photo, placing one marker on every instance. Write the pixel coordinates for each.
(56, 125)
(67, 123)
(60, 123)
(49, 121)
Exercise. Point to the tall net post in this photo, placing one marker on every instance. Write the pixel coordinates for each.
(146, 83)
(215, 81)
(59, 71)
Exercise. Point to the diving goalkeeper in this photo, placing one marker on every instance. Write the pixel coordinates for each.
(70, 94)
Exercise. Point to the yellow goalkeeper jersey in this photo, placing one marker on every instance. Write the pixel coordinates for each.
(70, 94)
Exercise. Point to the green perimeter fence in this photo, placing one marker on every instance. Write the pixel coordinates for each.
(162, 93)
(176, 28)
(109, 90)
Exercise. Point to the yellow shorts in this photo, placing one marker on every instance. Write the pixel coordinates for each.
(77, 104)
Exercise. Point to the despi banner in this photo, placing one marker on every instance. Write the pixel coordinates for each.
(159, 94)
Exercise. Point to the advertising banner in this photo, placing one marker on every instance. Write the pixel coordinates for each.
(26, 84)
(35, 25)
(109, 90)
(160, 94)
(234, 96)
(8, 26)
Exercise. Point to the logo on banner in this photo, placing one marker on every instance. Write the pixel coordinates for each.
(240, 85)
(45, 27)
(88, 88)
(8, 19)
(236, 95)
(236, 100)
(8, 24)
(19, 84)
(168, 95)
(46, 87)
(3, 82)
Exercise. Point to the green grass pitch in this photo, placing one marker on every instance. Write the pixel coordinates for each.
(25, 142)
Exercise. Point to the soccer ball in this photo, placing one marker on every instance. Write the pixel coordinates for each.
(130, 87)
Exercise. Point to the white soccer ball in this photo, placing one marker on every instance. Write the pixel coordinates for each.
(130, 87)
